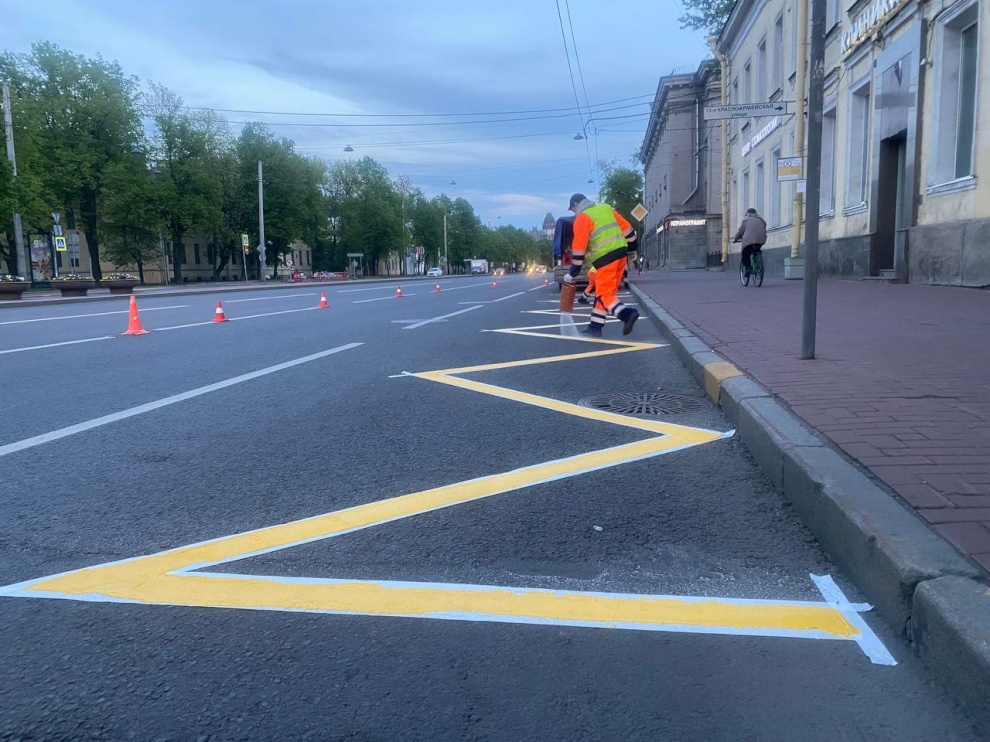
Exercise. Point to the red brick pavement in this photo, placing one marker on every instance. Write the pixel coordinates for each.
(901, 382)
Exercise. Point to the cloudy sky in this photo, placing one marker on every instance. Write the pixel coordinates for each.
(471, 92)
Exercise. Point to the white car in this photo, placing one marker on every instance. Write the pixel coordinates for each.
(434, 272)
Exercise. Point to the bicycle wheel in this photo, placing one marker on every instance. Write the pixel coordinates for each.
(743, 276)
(757, 270)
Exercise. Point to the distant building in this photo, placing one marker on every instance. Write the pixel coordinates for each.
(682, 159)
(548, 224)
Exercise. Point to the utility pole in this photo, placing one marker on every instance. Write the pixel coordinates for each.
(261, 222)
(446, 260)
(816, 102)
(23, 266)
(793, 266)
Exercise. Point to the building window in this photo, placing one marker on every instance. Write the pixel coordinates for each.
(761, 71)
(182, 253)
(827, 205)
(955, 125)
(735, 99)
(196, 255)
(748, 83)
(858, 168)
(775, 191)
(777, 70)
(832, 10)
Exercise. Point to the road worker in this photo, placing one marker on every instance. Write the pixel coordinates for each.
(602, 238)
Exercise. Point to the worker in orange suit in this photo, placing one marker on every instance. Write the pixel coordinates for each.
(602, 238)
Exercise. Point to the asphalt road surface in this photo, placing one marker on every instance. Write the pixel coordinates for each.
(393, 519)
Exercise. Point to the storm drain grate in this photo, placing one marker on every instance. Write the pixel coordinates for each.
(645, 403)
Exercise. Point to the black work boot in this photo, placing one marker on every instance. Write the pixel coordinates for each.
(592, 330)
(628, 317)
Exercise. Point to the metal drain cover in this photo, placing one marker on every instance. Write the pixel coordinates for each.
(644, 403)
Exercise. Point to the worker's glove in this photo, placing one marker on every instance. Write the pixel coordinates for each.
(568, 279)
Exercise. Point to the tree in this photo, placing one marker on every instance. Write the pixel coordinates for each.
(706, 15)
(622, 187)
(130, 216)
(83, 118)
(187, 191)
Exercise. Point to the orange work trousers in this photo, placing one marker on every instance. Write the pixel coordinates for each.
(606, 282)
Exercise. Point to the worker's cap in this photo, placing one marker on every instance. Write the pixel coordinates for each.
(576, 199)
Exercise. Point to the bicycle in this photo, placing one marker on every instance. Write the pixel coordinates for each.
(756, 261)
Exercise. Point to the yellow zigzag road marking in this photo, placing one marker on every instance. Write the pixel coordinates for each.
(174, 577)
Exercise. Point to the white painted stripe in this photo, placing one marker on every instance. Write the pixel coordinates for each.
(382, 298)
(868, 641)
(537, 288)
(174, 399)
(233, 319)
(95, 314)
(55, 345)
(268, 298)
(441, 318)
(510, 296)
(567, 326)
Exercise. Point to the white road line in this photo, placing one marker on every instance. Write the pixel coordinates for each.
(55, 345)
(267, 298)
(95, 314)
(537, 288)
(469, 286)
(233, 319)
(441, 318)
(493, 301)
(174, 399)
(382, 298)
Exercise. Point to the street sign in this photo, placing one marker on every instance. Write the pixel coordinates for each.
(245, 242)
(747, 110)
(60, 244)
(639, 212)
(790, 168)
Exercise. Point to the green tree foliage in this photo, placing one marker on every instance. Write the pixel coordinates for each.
(130, 216)
(622, 188)
(708, 16)
(82, 117)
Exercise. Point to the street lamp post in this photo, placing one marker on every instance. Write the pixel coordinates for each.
(446, 256)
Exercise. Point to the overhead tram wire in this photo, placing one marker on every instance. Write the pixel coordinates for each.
(413, 115)
(584, 89)
(577, 100)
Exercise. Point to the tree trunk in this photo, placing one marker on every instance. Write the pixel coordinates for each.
(92, 234)
(140, 265)
(177, 235)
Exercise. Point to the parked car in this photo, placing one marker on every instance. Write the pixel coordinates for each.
(434, 272)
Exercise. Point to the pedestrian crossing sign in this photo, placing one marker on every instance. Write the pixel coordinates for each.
(60, 244)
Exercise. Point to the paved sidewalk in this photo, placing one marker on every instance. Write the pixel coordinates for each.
(901, 382)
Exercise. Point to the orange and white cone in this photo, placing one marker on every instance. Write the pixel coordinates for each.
(437, 289)
(219, 316)
(494, 284)
(323, 301)
(546, 282)
(134, 320)
(398, 292)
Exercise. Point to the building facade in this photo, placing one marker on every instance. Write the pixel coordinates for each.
(906, 86)
(682, 161)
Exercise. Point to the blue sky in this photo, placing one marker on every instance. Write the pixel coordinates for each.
(384, 64)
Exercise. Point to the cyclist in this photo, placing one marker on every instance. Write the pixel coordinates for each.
(752, 234)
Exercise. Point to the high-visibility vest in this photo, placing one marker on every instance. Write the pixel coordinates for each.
(606, 234)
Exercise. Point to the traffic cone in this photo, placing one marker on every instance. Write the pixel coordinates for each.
(323, 301)
(398, 292)
(219, 316)
(494, 284)
(437, 289)
(134, 320)
(546, 282)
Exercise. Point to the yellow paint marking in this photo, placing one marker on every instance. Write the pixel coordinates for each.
(715, 374)
(174, 577)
